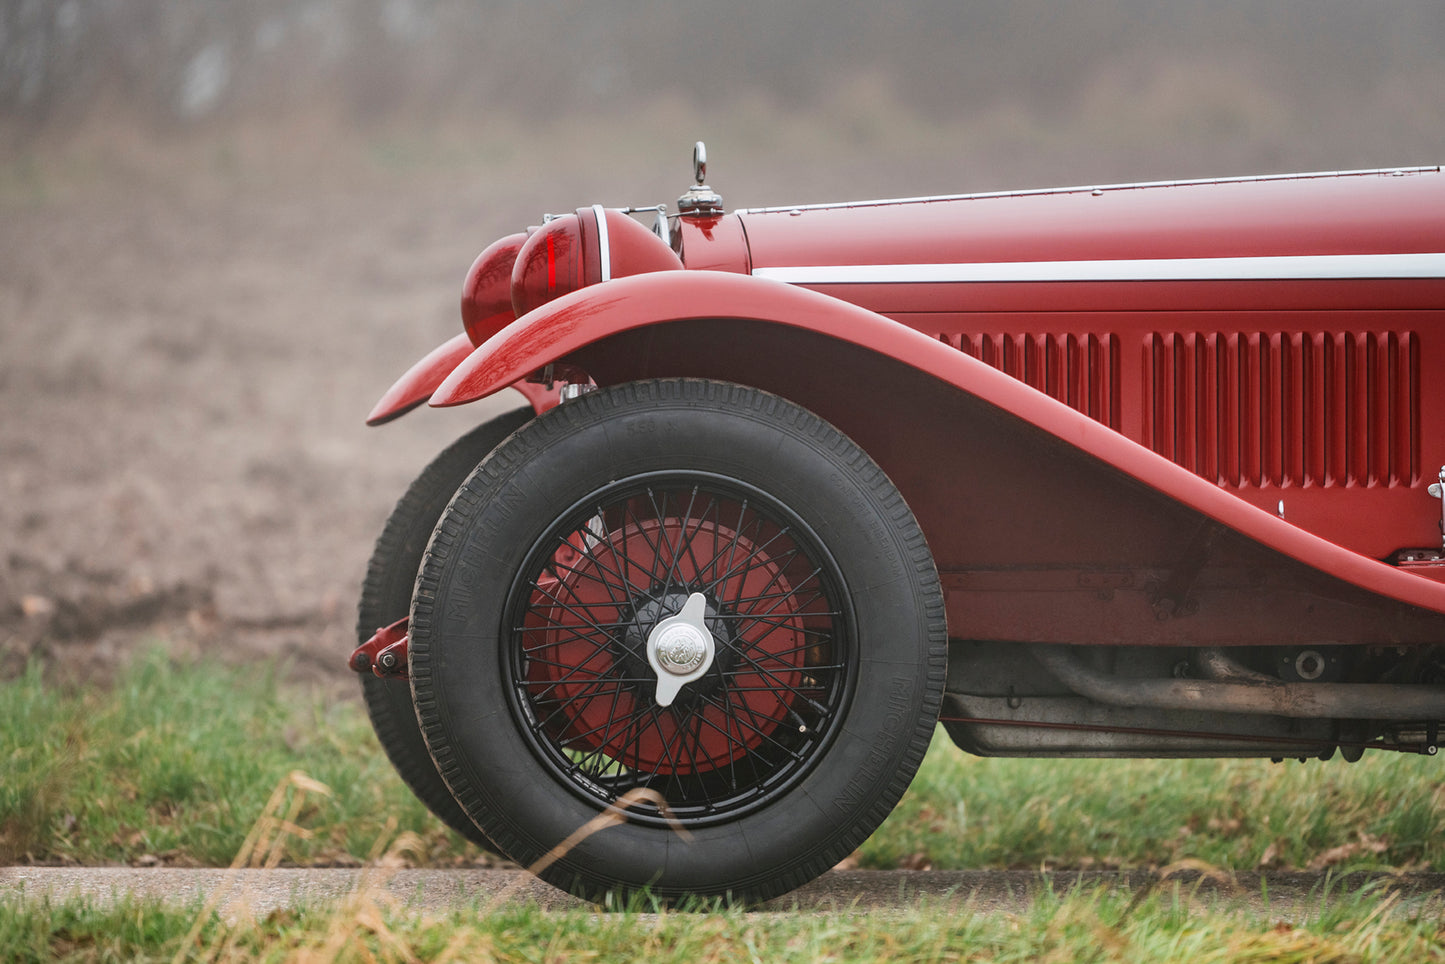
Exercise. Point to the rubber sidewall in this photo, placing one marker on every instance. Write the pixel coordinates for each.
(458, 665)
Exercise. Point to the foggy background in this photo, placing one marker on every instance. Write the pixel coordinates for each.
(948, 94)
(227, 225)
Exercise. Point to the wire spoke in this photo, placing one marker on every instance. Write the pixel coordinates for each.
(654, 546)
(568, 608)
(741, 570)
(753, 618)
(631, 680)
(733, 760)
(787, 623)
(765, 734)
(674, 549)
(782, 685)
(607, 641)
(562, 704)
(579, 652)
(599, 638)
(606, 728)
(702, 524)
(590, 556)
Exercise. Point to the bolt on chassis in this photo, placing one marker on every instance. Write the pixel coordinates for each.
(1140, 470)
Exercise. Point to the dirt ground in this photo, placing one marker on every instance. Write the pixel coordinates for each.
(186, 361)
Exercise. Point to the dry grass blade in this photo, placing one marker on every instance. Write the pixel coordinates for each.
(268, 836)
(361, 912)
(611, 817)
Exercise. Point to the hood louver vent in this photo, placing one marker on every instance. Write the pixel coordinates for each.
(1079, 370)
(1296, 408)
(1243, 409)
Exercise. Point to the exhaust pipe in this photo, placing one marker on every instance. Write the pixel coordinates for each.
(1239, 690)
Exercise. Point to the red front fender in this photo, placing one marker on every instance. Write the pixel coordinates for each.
(422, 379)
(594, 314)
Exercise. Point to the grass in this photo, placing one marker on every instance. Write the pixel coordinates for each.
(1387, 811)
(174, 762)
(1082, 925)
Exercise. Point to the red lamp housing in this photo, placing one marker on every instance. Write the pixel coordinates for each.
(487, 291)
(577, 250)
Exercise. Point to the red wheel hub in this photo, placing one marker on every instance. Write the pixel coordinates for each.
(587, 623)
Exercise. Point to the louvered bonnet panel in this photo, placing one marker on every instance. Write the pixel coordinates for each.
(1297, 408)
(1242, 409)
(1080, 370)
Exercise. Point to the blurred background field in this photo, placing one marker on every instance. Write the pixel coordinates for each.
(810, 98)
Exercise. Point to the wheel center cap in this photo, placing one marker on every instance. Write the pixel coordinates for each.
(680, 649)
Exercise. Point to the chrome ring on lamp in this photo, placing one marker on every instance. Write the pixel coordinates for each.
(604, 249)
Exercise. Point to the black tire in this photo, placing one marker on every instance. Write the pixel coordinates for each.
(386, 597)
(535, 626)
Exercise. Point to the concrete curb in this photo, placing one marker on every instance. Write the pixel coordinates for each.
(258, 892)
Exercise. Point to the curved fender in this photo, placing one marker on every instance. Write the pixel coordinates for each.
(592, 314)
(422, 379)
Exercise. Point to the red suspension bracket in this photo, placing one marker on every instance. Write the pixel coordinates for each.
(384, 653)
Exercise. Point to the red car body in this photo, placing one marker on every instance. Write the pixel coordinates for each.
(1171, 445)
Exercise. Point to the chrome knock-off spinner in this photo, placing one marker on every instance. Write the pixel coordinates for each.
(680, 649)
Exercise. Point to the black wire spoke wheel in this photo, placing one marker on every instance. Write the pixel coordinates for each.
(682, 637)
(584, 635)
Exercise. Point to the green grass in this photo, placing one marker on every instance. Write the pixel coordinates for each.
(1387, 811)
(191, 763)
(1083, 925)
(176, 762)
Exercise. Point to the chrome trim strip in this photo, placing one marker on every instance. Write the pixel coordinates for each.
(604, 245)
(1091, 189)
(1333, 266)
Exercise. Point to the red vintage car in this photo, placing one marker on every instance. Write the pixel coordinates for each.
(1133, 470)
